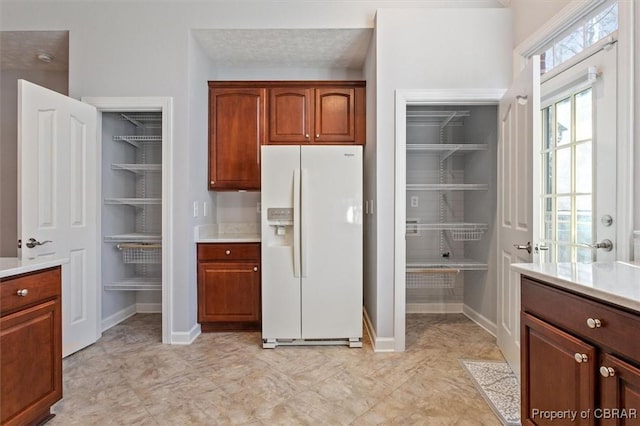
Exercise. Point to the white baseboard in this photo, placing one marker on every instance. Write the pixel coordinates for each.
(380, 344)
(149, 308)
(481, 320)
(129, 311)
(118, 317)
(434, 308)
(186, 338)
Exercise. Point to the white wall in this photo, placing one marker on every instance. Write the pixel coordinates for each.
(427, 49)
(129, 48)
(529, 15)
(132, 48)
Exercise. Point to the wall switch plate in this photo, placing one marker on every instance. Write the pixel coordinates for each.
(258, 207)
(195, 209)
(414, 201)
(204, 209)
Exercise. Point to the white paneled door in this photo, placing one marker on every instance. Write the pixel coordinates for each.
(57, 182)
(519, 121)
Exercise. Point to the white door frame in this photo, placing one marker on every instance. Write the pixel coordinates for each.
(146, 104)
(627, 155)
(418, 97)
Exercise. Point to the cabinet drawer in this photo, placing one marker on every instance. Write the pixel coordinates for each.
(229, 251)
(572, 312)
(39, 286)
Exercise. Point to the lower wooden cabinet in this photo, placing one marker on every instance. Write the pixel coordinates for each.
(580, 359)
(619, 391)
(30, 346)
(553, 380)
(229, 286)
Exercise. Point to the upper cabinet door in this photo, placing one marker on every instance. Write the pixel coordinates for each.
(291, 110)
(317, 112)
(334, 115)
(236, 130)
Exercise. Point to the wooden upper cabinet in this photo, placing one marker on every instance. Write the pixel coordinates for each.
(290, 112)
(317, 112)
(243, 115)
(237, 124)
(335, 115)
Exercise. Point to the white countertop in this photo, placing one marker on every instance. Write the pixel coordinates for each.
(227, 233)
(10, 266)
(614, 282)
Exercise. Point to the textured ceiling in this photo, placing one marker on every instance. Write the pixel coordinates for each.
(270, 48)
(18, 50)
(301, 48)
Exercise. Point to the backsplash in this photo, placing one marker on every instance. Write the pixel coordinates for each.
(239, 228)
(237, 207)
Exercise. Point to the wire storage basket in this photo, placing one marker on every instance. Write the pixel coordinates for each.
(466, 234)
(141, 253)
(431, 278)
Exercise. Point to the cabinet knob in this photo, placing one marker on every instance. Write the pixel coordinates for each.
(228, 252)
(255, 269)
(607, 371)
(580, 358)
(212, 183)
(594, 323)
(307, 136)
(317, 135)
(22, 292)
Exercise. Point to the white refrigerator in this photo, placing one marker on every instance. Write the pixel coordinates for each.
(311, 225)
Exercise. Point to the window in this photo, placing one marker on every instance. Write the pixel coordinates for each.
(586, 33)
(567, 172)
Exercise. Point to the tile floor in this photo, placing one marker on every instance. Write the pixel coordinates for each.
(128, 377)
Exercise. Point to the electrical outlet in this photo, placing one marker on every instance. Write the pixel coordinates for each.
(195, 209)
(205, 209)
(414, 201)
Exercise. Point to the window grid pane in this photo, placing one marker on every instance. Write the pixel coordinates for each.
(567, 186)
(584, 34)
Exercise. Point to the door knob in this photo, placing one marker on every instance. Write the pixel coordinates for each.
(33, 242)
(526, 247)
(605, 245)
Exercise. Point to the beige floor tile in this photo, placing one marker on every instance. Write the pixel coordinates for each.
(129, 377)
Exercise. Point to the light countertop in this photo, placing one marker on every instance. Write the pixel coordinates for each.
(10, 266)
(614, 282)
(228, 233)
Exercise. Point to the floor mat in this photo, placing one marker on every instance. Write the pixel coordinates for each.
(498, 386)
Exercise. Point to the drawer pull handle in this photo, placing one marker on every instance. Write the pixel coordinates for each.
(22, 292)
(255, 269)
(594, 323)
(228, 252)
(607, 371)
(580, 358)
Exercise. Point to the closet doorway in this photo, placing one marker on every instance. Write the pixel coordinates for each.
(445, 205)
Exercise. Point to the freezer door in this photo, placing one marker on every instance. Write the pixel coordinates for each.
(280, 220)
(331, 241)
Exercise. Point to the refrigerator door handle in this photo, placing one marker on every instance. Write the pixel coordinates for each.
(304, 229)
(296, 223)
